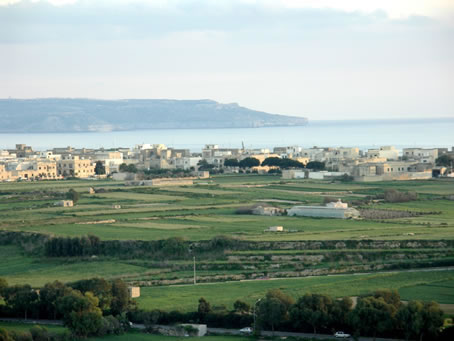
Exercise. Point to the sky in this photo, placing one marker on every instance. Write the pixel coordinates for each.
(321, 59)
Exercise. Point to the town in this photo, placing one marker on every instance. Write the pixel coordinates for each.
(380, 164)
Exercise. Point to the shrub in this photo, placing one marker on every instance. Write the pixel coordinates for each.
(392, 195)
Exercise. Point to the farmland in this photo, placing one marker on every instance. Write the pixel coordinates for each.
(414, 285)
(207, 210)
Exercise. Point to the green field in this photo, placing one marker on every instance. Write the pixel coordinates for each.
(25, 327)
(207, 210)
(185, 297)
(132, 335)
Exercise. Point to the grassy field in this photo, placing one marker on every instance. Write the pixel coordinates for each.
(18, 268)
(133, 335)
(25, 327)
(208, 209)
(441, 292)
(185, 297)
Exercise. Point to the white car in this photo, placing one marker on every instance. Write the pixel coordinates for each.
(342, 335)
(246, 330)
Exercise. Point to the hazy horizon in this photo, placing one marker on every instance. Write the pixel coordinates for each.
(324, 60)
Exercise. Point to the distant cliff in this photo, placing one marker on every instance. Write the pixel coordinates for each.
(85, 115)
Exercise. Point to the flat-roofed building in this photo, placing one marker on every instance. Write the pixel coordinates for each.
(75, 166)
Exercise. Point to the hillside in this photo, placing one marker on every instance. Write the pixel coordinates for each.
(85, 115)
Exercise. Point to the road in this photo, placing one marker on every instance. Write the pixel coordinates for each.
(220, 331)
(286, 334)
(224, 331)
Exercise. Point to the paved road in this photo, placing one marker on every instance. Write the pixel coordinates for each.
(222, 331)
(307, 335)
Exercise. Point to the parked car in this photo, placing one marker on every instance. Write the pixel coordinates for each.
(246, 330)
(342, 335)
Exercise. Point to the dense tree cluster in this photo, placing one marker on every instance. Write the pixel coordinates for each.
(231, 163)
(392, 195)
(445, 160)
(316, 165)
(100, 169)
(381, 314)
(249, 162)
(171, 248)
(128, 168)
(87, 307)
(73, 195)
(71, 247)
(282, 163)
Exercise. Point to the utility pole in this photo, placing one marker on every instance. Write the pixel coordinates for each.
(195, 281)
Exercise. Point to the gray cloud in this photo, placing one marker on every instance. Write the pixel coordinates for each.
(323, 62)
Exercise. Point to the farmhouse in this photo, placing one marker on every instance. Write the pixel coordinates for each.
(65, 203)
(134, 292)
(267, 210)
(275, 229)
(330, 210)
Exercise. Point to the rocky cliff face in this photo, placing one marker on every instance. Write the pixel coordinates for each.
(85, 115)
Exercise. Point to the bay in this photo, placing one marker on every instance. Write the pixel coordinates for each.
(363, 134)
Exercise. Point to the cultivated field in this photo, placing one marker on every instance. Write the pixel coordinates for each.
(208, 209)
(411, 285)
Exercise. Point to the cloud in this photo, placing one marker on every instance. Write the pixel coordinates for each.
(393, 8)
(41, 21)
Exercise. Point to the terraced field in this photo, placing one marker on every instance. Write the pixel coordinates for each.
(207, 210)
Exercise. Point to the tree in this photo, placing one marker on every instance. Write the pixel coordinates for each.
(373, 315)
(282, 163)
(3, 285)
(272, 161)
(120, 297)
(128, 168)
(21, 298)
(39, 333)
(289, 163)
(409, 318)
(249, 162)
(81, 313)
(432, 320)
(445, 160)
(340, 313)
(204, 307)
(317, 165)
(101, 288)
(203, 165)
(4, 335)
(271, 312)
(392, 195)
(73, 195)
(231, 163)
(241, 307)
(100, 168)
(389, 296)
(286, 300)
(314, 309)
(49, 295)
(274, 309)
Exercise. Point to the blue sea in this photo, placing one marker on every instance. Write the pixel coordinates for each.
(363, 134)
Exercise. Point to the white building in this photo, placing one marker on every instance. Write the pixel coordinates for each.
(386, 152)
(331, 210)
(421, 154)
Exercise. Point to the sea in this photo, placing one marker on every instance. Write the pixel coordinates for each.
(360, 133)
